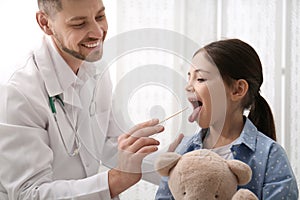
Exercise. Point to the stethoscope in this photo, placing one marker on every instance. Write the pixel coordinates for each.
(77, 141)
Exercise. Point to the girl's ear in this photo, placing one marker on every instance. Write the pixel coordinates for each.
(43, 21)
(239, 89)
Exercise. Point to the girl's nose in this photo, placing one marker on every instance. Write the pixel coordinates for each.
(189, 88)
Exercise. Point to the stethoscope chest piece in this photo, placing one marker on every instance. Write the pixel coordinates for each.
(92, 108)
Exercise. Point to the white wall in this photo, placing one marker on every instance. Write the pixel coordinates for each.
(18, 33)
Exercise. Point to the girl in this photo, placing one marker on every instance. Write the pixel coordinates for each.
(224, 81)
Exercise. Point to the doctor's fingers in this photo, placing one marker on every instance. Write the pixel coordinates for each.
(149, 123)
(128, 139)
(140, 145)
(147, 131)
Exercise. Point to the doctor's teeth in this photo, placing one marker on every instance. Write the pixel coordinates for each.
(92, 45)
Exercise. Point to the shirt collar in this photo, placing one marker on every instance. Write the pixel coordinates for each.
(58, 76)
(248, 135)
(64, 73)
(68, 81)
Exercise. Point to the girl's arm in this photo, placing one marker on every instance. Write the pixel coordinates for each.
(280, 181)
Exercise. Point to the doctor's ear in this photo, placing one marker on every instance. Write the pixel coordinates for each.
(43, 21)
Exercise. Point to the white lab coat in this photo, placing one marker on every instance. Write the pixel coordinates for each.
(33, 161)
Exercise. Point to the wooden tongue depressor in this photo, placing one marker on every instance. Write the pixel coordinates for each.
(173, 115)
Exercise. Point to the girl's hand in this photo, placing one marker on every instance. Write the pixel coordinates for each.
(175, 143)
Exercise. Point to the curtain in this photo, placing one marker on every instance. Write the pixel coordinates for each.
(292, 85)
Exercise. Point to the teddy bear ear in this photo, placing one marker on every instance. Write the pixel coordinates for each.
(165, 162)
(244, 194)
(242, 171)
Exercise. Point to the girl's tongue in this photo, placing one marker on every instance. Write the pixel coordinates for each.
(196, 104)
(195, 114)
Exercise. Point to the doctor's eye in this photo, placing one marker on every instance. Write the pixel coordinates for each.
(78, 26)
(100, 17)
(184, 193)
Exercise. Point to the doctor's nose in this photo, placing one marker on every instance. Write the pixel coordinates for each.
(98, 29)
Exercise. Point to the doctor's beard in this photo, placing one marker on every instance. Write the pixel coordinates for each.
(92, 57)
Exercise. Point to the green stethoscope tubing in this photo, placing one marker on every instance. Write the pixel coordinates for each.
(53, 109)
(52, 105)
(54, 112)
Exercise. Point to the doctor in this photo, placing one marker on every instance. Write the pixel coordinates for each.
(56, 125)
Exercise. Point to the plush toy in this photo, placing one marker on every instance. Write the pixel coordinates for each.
(203, 174)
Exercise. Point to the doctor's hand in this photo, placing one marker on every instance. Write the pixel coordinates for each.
(133, 147)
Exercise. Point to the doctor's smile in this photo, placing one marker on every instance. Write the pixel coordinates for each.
(92, 44)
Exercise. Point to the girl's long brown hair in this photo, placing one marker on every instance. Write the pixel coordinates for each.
(235, 60)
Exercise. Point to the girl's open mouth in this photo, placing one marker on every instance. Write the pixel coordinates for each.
(197, 105)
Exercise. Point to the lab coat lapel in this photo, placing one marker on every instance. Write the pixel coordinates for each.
(56, 82)
(53, 87)
(45, 66)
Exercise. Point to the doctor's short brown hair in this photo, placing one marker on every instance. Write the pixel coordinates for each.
(50, 7)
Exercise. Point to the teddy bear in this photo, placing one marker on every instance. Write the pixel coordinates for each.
(203, 174)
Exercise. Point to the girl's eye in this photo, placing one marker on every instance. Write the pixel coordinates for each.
(201, 80)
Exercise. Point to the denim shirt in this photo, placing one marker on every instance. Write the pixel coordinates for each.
(272, 175)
